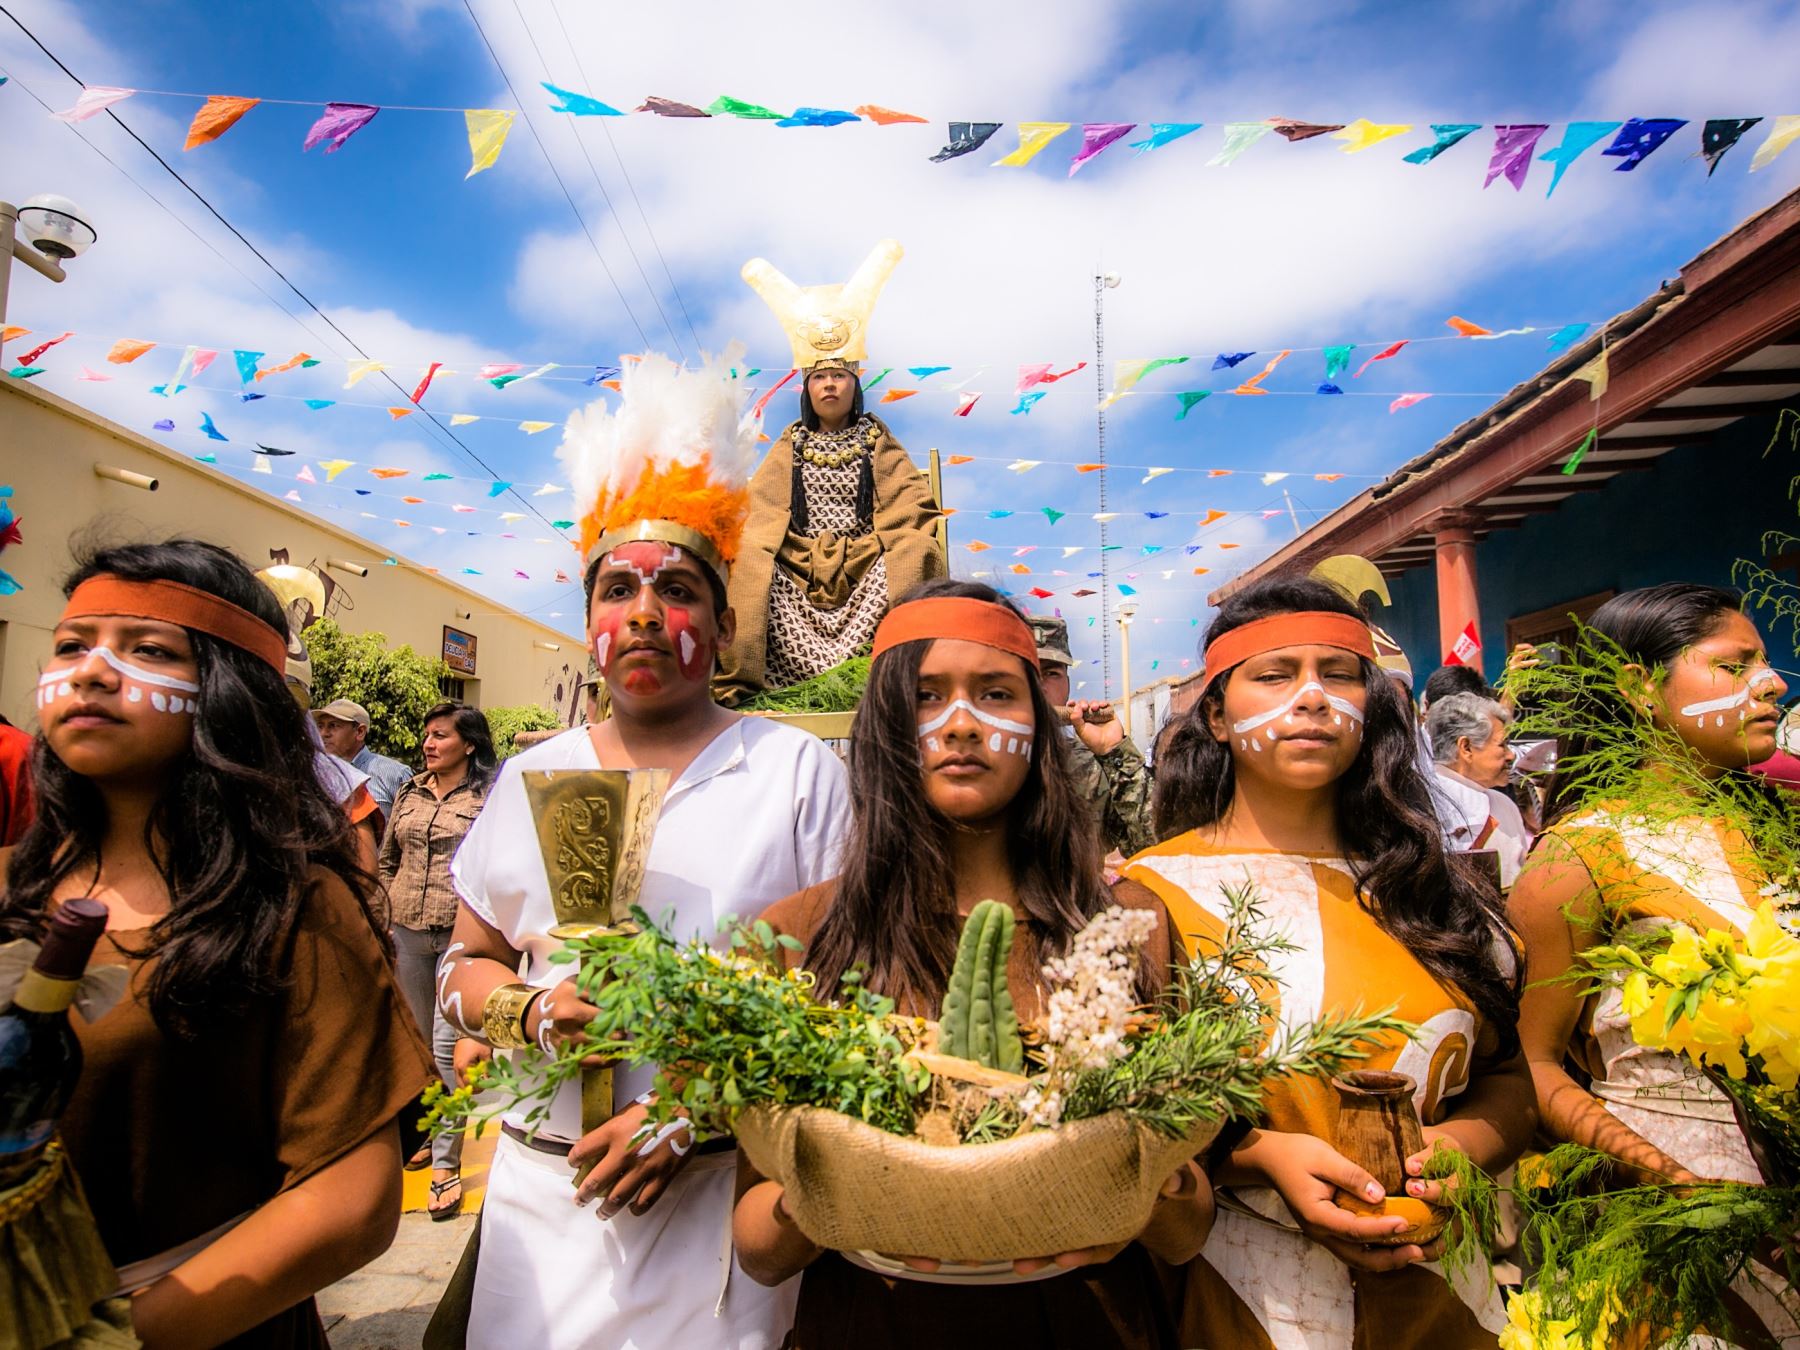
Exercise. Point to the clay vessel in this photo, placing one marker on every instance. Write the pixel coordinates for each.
(1378, 1130)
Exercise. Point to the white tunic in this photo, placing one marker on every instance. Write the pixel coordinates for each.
(761, 813)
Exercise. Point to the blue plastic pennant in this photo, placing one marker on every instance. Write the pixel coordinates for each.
(1640, 137)
(497, 488)
(317, 403)
(1564, 338)
(579, 105)
(920, 372)
(246, 365)
(1226, 360)
(1027, 402)
(1446, 135)
(1577, 137)
(212, 432)
(1161, 133)
(249, 396)
(1329, 388)
(818, 117)
(163, 424)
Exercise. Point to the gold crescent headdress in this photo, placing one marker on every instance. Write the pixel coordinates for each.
(827, 326)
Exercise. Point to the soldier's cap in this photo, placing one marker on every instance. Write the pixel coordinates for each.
(1052, 641)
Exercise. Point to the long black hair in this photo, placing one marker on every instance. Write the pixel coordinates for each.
(239, 830)
(471, 724)
(895, 912)
(1650, 627)
(1433, 903)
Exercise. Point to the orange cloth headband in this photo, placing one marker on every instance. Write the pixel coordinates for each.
(962, 619)
(173, 602)
(1306, 628)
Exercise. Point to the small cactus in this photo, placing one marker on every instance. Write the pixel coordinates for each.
(978, 1021)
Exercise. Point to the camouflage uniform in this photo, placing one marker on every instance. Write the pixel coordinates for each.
(1116, 784)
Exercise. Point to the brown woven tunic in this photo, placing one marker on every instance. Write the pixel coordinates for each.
(1119, 1304)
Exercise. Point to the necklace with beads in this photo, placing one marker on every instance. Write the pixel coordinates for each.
(834, 456)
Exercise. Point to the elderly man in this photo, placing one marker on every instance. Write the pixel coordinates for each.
(1472, 762)
(344, 727)
(1109, 769)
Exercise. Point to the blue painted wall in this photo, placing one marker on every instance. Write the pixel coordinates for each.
(1690, 518)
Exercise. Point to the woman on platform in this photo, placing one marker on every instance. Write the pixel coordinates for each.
(432, 813)
(1649, 827)
(1298, 772)
(234, 1126)
(958, 799)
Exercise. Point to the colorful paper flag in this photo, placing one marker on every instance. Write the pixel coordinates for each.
(1362, 133)
(1406, 401)
(306, 476)
(532, 428)
(1239, 137)
(1783, 132)
(895, 395)
(218, 115)
(358, 369)
(1719, 135)
(579, 105)
(818, 117)
(206, 426)
(42, 347)
(1253, 385)
(1444, 135)
(885, 117)
(246, 365)
(965, 137)
(964, 402)
(96, 98)
(668, 107)
(127, 350)
(1564, 337)
(1190, 397)
(1466, 650)
(1337, 358)
(1577, 137)
(338, 123)
(1095, 137)
(726, 106)
(1640, 137)
(756, 411)
(1027, 402)
(1466, 329)
(1226, 360)
(398, 413)
(1596, 374)
(316, 404)
(1513, 146)
(1156, 473)
(1385, 353)
(496, 488)
(960, 459)
(1033, 137)
(1587, 443)
(1291, 131)
(487, 128)
(90, 374)
(1161, 133)
(299, 359)
(425, 380)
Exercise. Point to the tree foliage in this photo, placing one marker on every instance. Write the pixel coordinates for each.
(397, 685)
(506, 723)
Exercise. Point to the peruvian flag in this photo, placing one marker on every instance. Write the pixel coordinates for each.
(1466, 651)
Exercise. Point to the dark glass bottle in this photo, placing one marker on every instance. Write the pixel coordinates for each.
(40, 1058)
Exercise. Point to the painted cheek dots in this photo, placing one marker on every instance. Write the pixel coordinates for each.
(137, 686)
(1755, 681)
(1249, 731)
(1003, 736)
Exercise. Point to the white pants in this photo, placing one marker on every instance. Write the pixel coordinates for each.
(557, 1277)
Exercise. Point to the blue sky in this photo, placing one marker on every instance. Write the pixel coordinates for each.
(1293, 246)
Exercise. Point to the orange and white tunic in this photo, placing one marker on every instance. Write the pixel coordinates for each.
(1260, 1282)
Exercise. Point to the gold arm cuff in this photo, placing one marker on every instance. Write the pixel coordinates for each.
(661, 532)
(503, 1016)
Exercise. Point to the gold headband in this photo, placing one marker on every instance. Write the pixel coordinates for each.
(661, 532)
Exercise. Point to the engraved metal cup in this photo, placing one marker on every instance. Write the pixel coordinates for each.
(594, 828)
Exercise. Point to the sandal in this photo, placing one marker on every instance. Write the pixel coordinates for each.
(439, 1189)
(421, 1159)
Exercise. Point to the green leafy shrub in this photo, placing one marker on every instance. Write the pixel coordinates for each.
(397, 685)
(507, 723)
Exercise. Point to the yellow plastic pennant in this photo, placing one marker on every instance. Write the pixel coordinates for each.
(532, 428)
(1033, 137)
(487, 136)
(463, 419)
(359, 369)
(1362, 133)
(333, 467)
(1783, 134)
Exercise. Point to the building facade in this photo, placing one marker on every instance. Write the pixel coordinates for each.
(64, 463)
(1690, 474)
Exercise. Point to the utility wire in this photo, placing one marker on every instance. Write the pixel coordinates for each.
(442, 432)
(581, 69)
(580, 144)
(554, 173)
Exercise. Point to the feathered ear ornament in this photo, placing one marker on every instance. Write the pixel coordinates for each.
(671, 463)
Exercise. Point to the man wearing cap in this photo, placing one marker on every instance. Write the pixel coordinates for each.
(344, 727)
(1109, 769)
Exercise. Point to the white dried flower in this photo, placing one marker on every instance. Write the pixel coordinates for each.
(1093, 991)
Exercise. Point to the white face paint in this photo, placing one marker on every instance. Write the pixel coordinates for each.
(602, 650)
(167, 693)
(1012, 738)
(644, 578)
(1755, 681)
(1246, 730)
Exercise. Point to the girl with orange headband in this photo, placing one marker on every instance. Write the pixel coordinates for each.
(234, 1125)
(961, 792)
(1297, 772)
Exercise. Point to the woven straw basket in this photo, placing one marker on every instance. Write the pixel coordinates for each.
(852, 1187)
